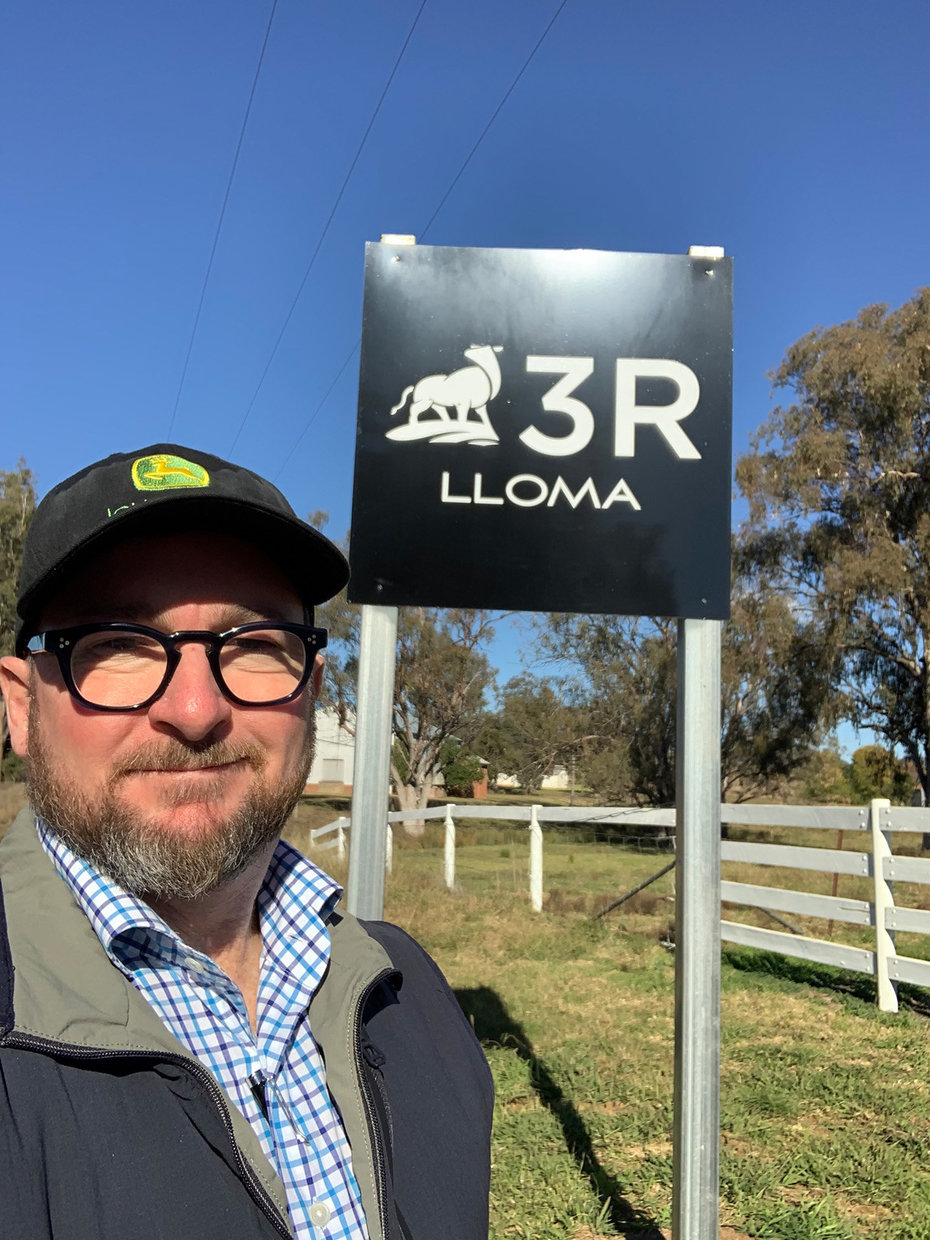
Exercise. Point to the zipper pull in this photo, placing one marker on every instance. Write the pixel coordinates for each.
(372, 1055)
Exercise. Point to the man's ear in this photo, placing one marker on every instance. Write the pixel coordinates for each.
(17, 692)
(316, 676)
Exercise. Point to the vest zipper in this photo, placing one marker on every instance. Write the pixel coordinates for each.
(28, 1042)
(379, 1160)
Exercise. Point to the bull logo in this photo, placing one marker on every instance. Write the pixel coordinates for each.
(466, 391)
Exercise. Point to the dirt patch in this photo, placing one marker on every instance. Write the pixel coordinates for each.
(738, 1147)
(526, 1102)
(814, 1126)
(656, 1148)
(603, 1108)
(726, 1233)
(794, 1194)
(863, 1212)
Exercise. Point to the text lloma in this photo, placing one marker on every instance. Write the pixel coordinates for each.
(529, 491)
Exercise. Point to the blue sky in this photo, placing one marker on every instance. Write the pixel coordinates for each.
(794, 135)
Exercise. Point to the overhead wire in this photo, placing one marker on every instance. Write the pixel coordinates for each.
(219, 224)
(494, 116)
(329, 220)
(468, 158)
(322, 402)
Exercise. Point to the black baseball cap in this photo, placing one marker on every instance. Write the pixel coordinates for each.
(167, 488)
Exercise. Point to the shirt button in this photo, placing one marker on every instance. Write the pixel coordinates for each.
(195, 965)
(319, 1214)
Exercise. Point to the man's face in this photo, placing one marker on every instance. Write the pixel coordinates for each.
(172, 799)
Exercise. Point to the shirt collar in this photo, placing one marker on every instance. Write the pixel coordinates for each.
(295, 900)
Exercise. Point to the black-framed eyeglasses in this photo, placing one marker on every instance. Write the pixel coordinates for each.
(121, 667)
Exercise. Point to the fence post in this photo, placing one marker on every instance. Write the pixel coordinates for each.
(886, 989)
(389, 850)
(341, 839)
(536, 860)
(448, 855)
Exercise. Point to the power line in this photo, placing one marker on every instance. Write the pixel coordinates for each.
(442, 201)
(494, 115)
(322, 237)
(219, 224)
(322, 402)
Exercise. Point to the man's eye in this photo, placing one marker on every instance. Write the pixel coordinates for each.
(260, 644)
(113, 645)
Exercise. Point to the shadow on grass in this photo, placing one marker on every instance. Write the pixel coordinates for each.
(823, 976)
(493, 1023)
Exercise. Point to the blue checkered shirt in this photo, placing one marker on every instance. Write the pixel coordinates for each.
(275, 1076)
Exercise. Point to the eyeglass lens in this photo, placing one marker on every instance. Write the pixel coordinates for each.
(122, 668)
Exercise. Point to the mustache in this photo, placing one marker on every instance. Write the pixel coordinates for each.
(174, 755)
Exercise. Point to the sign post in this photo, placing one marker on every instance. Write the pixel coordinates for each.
(549, 430)
(697, 934)
(367, 843)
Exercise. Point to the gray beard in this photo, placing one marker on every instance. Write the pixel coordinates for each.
(148, 861)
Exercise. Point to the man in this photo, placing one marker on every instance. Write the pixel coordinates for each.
(194, 1040)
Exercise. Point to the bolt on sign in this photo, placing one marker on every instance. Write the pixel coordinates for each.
(544, 430)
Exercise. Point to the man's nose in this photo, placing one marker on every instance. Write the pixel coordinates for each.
(192, 705)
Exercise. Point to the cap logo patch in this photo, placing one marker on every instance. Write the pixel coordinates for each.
(167, 473)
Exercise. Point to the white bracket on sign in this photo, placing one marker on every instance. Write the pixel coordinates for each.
(705, 251)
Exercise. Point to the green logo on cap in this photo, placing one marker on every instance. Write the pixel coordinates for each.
(167, 473)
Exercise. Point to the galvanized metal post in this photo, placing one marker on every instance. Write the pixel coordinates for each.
(371, 778)
(697, 937)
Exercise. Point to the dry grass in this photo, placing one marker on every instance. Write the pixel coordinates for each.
(12, 800)
(825, 1103)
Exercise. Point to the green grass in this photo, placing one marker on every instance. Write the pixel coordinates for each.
(825, 1102)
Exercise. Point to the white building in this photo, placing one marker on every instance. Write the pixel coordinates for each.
(334, 756)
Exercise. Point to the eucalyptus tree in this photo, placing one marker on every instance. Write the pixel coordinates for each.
(441, 678)
(837, 483)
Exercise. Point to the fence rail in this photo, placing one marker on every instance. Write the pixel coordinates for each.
(873, 824)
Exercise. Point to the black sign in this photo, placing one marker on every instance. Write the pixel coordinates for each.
(544, 430)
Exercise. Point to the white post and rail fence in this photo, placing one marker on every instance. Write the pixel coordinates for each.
(869, 829)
